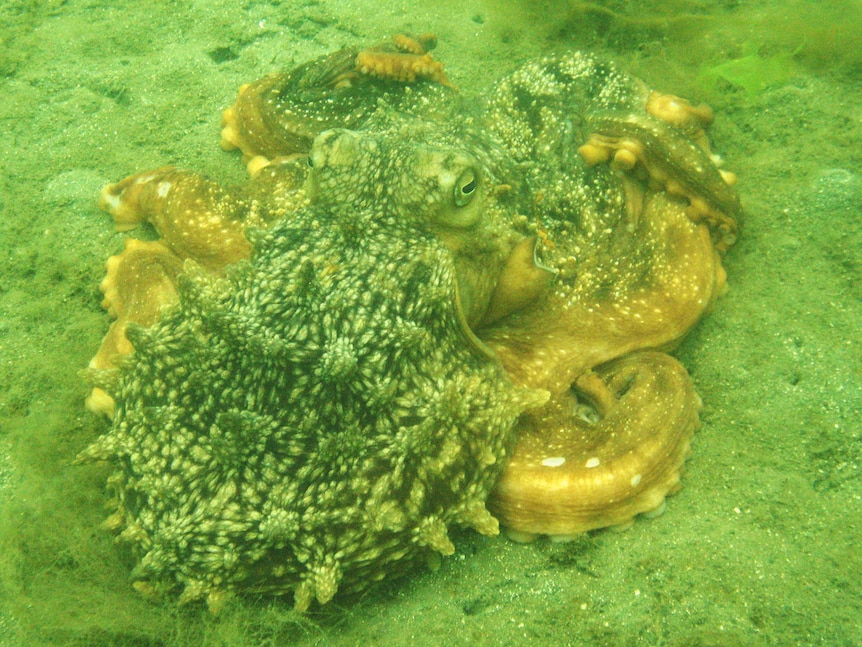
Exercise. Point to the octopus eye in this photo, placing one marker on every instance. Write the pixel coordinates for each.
(310, 161)
(465, 187)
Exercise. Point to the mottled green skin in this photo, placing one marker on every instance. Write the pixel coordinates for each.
(324, 426)
(321, 414)
(544, 111)
(325, 414)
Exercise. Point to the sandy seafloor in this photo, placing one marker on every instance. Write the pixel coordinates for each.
(762, 545)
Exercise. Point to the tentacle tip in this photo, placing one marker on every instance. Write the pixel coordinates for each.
(100, 403)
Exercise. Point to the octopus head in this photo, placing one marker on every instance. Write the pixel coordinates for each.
(410, 177)
(423, 182)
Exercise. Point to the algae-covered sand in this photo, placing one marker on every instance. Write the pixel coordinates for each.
(761, 546)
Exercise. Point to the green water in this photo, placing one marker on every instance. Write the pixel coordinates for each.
(762, 545)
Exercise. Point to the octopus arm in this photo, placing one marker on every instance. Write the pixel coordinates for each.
(570, 474)
(657, 292)
(195, 217)
(671, 160)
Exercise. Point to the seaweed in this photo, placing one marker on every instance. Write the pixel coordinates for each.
(752, 72)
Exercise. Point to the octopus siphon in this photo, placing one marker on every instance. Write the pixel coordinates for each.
(425, 310)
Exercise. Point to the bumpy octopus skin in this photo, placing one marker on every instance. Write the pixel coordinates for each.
(322, 414)
(576, 221)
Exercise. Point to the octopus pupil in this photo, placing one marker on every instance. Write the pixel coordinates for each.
(469, 187)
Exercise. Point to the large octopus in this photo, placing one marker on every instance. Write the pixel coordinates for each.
(421, 304)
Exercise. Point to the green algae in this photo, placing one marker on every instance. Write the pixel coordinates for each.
(752, 72)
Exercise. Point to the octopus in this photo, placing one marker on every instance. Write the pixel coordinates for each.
(424, 310)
